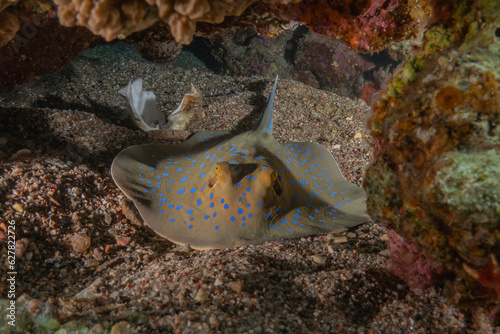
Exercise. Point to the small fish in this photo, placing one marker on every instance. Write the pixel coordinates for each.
(217, 190)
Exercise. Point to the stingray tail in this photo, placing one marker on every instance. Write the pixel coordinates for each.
(265, 122)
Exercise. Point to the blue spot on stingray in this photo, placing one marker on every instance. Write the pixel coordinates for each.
(233, 219)
(190, 226)
(216, 227)
(226, 206)
(240, 211)
(339, 203)
(249, 205)
(178, 207)
(243, 224)
(165, 174)
(179, 169)
(152, 168)
(172, 220)
(184, 179)
(284, 221)
(243, 218)
(212, 204)
(294, 222)
(278, 228)
(268, 215)
(310, 196)
(181, 191)
(240, 199)
(336, 207)
(206, 217)
(215, 214)
(248, 189)
(259, 203)
(296, 216)
(190, 211)
(140, 167)
(160, 211)
(170, 206)
(202, 166)
(198, 202)
(292, 182)
(222, 200)
(193, 190)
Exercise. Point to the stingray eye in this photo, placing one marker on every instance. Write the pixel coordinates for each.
(276, 184)
(274, 176)
(217, 170)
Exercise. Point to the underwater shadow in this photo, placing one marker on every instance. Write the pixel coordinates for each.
(108, 114)
(258, 101)
(35, 129)
(382, 290)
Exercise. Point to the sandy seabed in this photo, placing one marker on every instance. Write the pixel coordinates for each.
(84, 257)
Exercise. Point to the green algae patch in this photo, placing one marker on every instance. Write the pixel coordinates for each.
(469, 184)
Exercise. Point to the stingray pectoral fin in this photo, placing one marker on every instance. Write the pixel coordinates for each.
(206, 137)
(305, 221)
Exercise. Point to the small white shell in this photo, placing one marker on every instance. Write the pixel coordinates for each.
(143, 106)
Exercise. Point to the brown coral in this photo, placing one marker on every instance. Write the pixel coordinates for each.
(6, 3)
(114, 18)
(108, 18)
(9, 25)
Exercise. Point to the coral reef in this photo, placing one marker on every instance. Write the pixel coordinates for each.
(114, 18)
(178, 20)
(435, 179)
(365, 25)
(301, 55)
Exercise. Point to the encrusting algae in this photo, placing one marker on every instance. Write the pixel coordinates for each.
(435, 179)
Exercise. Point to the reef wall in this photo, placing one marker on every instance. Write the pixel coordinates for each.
(435, 179)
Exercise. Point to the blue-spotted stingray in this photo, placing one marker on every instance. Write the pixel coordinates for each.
(217, 190)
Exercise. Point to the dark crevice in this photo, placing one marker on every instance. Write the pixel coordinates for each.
(293, 43)
(200, 48)
(381, 60)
